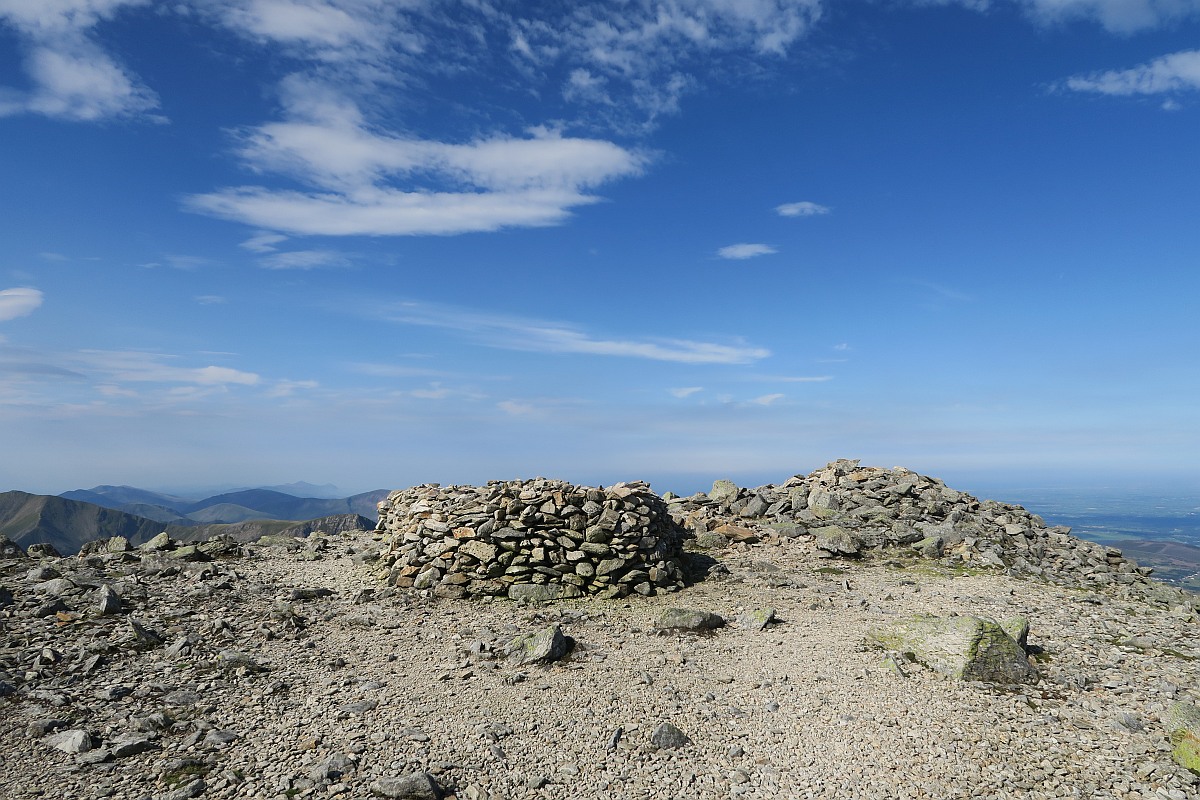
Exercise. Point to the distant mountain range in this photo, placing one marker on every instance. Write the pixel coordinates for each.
(231, 507)
(74, 518)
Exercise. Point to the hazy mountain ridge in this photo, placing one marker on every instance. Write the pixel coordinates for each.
(229, 507)
(67, 525)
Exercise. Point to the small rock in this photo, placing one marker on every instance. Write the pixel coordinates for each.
(143, 637)
(129, 744)
(219, 739)
(836, 540)
(758, 619)
(310, 594)
(160, 542)
(541, 647)
(667, 737)
(688, 619)
(107, 601)
(414, 786)
(72, 741)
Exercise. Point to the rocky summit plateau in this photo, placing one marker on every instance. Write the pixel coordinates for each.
(856, 632)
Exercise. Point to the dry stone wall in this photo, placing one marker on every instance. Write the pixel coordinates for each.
(536, 539)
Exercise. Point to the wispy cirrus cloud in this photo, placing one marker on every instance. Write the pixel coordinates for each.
(1116, 16)
(644, 56)
(740, 252)
(19, 302)
(140, 366)
(768, 399)
(516, 333)
(305, 259)
(72, 76)
(263, 242)
(1177, 72)
(686, 391)
(804, 208)
(289, 388)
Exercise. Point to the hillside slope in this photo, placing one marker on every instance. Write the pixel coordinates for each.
(67, 524)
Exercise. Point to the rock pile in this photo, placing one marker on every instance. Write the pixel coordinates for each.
(845, 510)
(537, 539)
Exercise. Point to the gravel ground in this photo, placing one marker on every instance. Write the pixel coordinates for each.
(277, 696)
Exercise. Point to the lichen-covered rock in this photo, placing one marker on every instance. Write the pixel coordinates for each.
(10, 549)
(540, 647)
(688, 619)
(414, 786)
(836, 540)
(43, 550)
(758, 619)
(1018, 630)
(1182, 722)
(969, 648)
(723, 491)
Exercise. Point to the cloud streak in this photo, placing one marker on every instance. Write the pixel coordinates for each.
(741, 252)
(541, 336)
(18, 302)
(1176, 72)
(804, 208)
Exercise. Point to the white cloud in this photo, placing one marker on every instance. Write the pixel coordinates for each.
(287, 388)
(767, 399)
(186, 263)
(686, 391)
(110, 391)
(307, 22)
(305, 259)
(743, 251)
(139, 366)
(263, 242)
(804, 208)
(396, 371)
(73, 77)
(374, 183)
(18, 302)
(210, 299)
(364, 38)
(1118, 16)
(804, 378)
(1171, 73)
(516, 408)
(542, 336)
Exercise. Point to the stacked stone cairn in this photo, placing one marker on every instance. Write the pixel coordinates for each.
(532, 540)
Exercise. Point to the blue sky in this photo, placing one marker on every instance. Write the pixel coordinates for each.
(382, 243)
